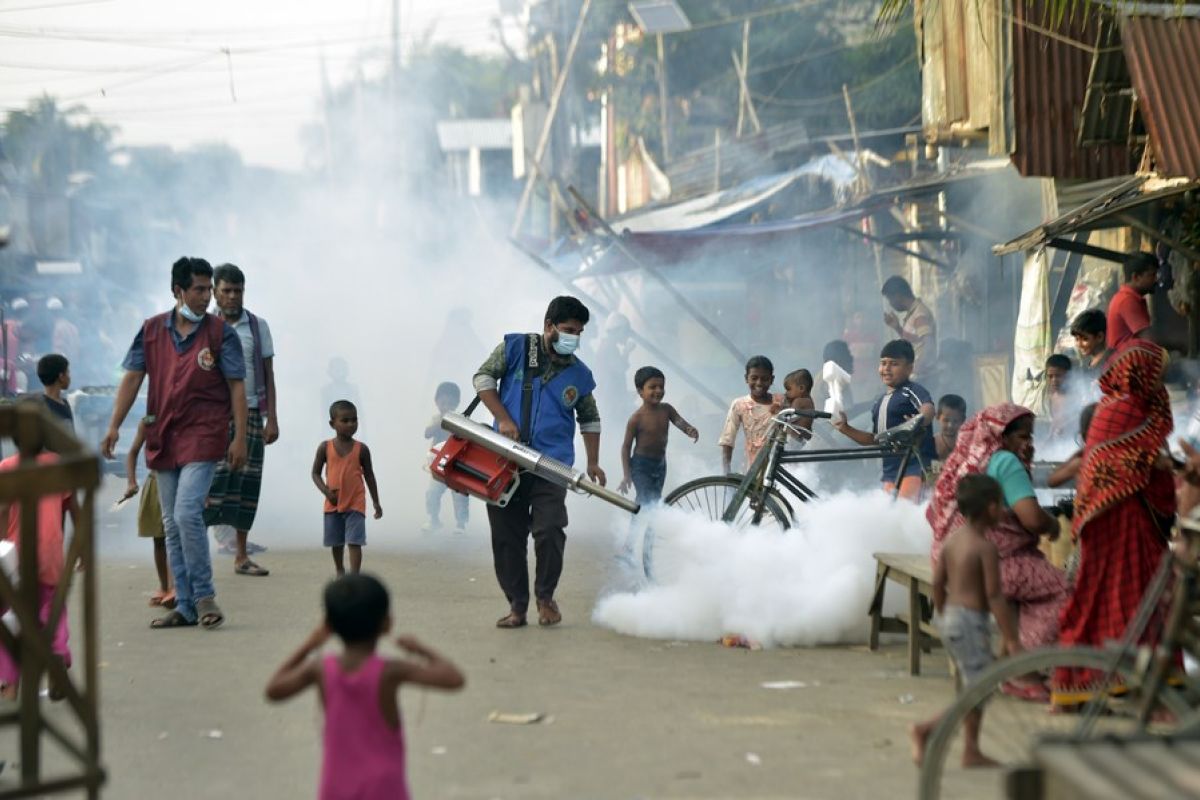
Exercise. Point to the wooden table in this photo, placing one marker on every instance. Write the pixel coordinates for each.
(915, 572)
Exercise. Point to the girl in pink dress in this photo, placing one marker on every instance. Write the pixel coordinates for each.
(364, 741)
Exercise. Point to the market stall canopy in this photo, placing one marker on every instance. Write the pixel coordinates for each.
(1113, 209)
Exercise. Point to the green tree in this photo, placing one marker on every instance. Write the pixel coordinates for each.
(46, 144)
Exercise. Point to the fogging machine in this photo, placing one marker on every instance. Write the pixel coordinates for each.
(480, 462)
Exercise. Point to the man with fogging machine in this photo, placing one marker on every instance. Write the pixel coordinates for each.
(196, 369)
(537, 389)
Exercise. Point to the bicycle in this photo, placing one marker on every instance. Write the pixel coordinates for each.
(757, 498)
(1138, 689)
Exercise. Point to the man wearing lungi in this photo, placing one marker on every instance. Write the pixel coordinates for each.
(233, 498)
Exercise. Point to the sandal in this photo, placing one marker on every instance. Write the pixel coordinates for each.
(210, 614)
(1033, 692)
(248, 567)
(511, 620)
(173, 620)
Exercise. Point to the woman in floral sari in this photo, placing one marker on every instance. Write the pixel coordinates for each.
(998, 441)
(1124, 506)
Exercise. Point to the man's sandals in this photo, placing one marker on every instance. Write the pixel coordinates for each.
(207, 609)
(248, 567)
(511, 620)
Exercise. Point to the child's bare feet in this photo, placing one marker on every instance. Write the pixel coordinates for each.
(918, 735)
(976, 758)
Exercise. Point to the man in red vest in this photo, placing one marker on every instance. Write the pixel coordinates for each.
(196, 370)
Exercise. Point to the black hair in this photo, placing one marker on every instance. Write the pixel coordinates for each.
(839, 353)
(896, 286)
(799, 376)
(1060, 361)
(448, 390)
(1092, 322)
(187, 267)
(760, 362)
(975, 493)
(50, 368)
(952, 402)
(229, 273)
(356, 606)
(1012, 426)
(1085, 419)
(341, 405)
(646, 373)
(1137, 264)
(565, 307)
(898, 349)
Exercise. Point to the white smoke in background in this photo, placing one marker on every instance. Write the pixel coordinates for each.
(808, 586)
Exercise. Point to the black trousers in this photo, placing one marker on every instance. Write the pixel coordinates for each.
(538, 507)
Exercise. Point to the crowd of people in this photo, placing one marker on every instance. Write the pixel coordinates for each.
(211, 411)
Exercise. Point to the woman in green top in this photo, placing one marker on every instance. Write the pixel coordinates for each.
(998, 441)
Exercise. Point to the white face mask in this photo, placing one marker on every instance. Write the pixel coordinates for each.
(188, 314)
(566, 343)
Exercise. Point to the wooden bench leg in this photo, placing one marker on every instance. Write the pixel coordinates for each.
(926, 617)
(914, 627)
(876, 610)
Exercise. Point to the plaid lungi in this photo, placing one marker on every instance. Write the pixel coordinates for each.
(233, 496)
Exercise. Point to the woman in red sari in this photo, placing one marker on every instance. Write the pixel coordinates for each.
(998, 441)
(1124, 505)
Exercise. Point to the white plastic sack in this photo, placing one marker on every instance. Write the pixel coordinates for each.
(838, 382)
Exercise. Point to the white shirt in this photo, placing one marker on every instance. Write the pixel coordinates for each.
(246, 336)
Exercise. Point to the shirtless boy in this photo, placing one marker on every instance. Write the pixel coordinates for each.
(644, 451)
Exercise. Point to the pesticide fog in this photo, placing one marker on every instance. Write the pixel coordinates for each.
(809, 586)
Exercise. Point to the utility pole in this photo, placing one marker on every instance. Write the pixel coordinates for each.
(663, 121)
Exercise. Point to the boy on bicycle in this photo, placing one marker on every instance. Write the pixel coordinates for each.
(902, 400)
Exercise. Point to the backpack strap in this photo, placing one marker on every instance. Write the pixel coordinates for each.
(533, 369)
(260, 372)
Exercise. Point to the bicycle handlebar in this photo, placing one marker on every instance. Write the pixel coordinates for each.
(812, 414)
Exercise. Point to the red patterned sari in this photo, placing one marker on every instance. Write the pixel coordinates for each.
(1030, 582)
(1123, 507)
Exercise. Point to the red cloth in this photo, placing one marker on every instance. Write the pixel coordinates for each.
(1030, 581)
(1127, 315)
(1123, 508)
(188, 397)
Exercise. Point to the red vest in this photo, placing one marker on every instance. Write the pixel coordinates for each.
(189, 396)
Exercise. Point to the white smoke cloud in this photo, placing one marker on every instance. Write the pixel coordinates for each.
(809, 586)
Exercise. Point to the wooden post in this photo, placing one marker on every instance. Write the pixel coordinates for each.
(544, 137)
(739, 67)
(663, 121)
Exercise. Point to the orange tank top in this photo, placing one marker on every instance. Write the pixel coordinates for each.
(345, 474)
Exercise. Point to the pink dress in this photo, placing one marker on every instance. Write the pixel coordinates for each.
(364, 755)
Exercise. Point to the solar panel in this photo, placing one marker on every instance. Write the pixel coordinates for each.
(659, 16)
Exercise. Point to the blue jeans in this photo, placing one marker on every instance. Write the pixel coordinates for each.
(433, 503)
(182, 493)
(648, 476)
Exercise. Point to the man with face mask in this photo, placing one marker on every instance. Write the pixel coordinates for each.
(196, 370)
(537, 390)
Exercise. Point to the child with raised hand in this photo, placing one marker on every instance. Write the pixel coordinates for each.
(751, 413)
(364, 752)
(445, 399)
(966, 584)
(797, 393)
(644, 451)
(150, 524)
(347, 466)
(951, 414)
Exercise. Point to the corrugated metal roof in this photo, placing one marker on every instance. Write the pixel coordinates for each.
(1108, 106)
(1163, 54)
(1049, 82)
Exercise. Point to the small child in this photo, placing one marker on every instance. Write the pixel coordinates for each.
(347, 464)
(445, 398)
(797, 391)
(902, 401)
(1062, 404)
(150, 523)
(951, 414)
(644, 451)
(752, 413)
(51, 565)
(966, 584)
(364, 751)
(54, 371)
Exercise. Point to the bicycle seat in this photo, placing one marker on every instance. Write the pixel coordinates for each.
(904, 435)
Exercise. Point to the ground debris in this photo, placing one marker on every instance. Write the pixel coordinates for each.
(508, 718)
(737, 640)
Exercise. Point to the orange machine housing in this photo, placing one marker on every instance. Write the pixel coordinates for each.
(471, 469)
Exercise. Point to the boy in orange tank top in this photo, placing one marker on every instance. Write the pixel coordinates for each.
(347, 466)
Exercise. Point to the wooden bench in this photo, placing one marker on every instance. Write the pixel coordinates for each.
(913, 571)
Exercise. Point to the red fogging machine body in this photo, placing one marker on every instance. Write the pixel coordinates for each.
(472, 469)
(478, 461)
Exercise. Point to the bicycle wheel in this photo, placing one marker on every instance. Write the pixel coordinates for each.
(1010, 728)
(664, 549)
